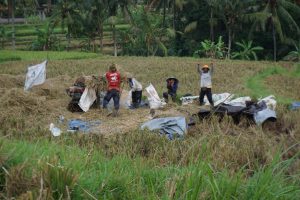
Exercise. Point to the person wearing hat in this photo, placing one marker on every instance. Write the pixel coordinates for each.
(172, 85)
(114, 80)
(205, 82)
(136, 91)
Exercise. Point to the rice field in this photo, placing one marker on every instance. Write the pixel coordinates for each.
(215, 160)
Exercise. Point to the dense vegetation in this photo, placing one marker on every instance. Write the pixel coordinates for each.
(250, 29)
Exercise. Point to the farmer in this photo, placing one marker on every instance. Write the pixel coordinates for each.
(205, 83)
(136, 91)
(114, 80)
(172, 85)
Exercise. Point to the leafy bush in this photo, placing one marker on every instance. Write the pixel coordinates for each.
(294, 55)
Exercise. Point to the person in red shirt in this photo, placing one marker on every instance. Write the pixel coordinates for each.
(114, 80)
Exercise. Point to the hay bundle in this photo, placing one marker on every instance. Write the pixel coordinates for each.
(17, 100)
(9, 81)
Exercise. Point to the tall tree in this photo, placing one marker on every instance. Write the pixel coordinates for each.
(213, 9)
(66, 12)
(276, 15)
(232, 13)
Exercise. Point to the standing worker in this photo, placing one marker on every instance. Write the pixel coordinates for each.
(172, 85)
(136, 91)
(114, 80)
(205, 83)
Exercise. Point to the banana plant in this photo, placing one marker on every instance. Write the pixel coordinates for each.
(247, 52)
(294, 55)
(211, 49)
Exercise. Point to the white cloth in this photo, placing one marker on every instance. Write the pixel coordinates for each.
(153, 98)
(136, 86)
(87, 99)
(36, 75)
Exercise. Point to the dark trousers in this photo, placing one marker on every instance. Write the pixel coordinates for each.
(207, 92)
(115, 94)
(136, 98)
(172, 94)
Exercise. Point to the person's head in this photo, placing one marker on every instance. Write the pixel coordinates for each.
(113, 67)
(205, 68)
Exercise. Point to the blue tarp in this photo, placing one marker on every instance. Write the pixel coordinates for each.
(170, 126)
(295, 106)
(80, 125)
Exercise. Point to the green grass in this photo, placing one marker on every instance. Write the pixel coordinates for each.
(259, 89)
(125, 178)
(7, 55)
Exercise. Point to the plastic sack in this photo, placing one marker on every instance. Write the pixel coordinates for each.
(240, 101)
(270, 101)
(36, 75)
(87, 99)
(153, 98)
(54, 130)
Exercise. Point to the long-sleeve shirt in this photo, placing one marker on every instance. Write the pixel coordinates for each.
(205, 78)
(135, 85)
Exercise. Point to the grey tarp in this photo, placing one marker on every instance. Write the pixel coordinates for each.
(170, 126)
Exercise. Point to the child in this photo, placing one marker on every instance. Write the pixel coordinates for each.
(205, 83)
(172, 85)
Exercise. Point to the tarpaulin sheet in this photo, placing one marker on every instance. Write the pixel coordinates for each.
(80, 125)
(170, 126)
(295, 106)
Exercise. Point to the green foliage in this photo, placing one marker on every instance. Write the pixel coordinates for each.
(46, 40)
(294, 55)
(211, 49)
(146, 36)
(246, 51)
(41, 55)
(4, 35)
(59, 180)
(124, 178)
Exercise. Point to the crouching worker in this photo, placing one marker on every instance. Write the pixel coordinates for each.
(136, 91)
(172, 85)
(205, 83)
(113, 78)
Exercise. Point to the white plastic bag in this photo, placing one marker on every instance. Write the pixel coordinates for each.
(36, 75)
(270, 101)
(153, 98)
(54, 130)
(87, 99)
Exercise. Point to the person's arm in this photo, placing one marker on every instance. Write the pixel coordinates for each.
(212, 67)
(198, 68)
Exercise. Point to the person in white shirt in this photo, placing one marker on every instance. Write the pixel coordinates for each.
(205, 74)
(136, 91)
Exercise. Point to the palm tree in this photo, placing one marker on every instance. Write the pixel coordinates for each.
(66, 13)
(276, 14)
(232, 12)
(213, 8)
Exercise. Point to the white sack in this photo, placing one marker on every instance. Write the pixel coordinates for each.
(153, 98)
(87, 99)
(241, 101)
(36, 75)
(270, 101)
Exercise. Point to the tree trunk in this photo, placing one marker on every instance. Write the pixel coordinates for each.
(13, 24)
(174, 15)
(114, 39)
(101, 36)
(274, 42)
(229, 42)
(69, 40)
(164, 14)
(212, 38)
